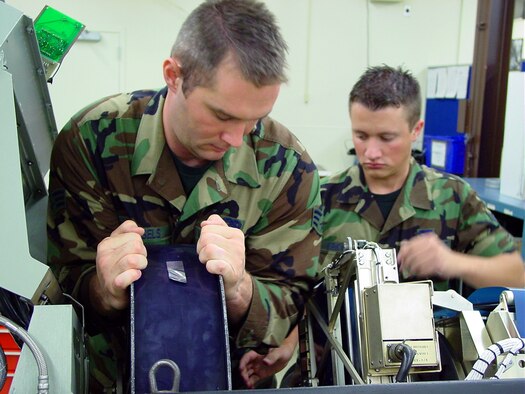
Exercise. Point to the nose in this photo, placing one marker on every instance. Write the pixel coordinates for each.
(236, 131)
(372, 150)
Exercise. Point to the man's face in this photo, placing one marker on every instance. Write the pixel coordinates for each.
(204, 125)
(383, 143)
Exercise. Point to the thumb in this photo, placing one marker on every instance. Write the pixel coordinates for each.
(270, 358)
(215, 220)
(129, 226)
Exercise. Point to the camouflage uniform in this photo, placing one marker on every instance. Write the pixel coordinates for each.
(111, 163)
(429, 201)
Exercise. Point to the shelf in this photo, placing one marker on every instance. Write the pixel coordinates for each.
(496, 201)
(488, 191)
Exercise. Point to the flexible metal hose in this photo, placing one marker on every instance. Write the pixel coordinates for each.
(3, 368)
(43, 377)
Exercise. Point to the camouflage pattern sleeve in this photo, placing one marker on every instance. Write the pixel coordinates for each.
(338, 221)
(80, 211)
(479, 232)
(282, 256)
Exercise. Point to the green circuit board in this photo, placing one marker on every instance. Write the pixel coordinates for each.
(56, 33)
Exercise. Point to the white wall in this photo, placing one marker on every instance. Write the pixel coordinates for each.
(331, 44)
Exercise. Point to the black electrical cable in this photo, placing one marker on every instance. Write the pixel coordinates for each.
(406, 354)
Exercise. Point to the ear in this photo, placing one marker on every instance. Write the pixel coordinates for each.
(172, 73)
(416, 131)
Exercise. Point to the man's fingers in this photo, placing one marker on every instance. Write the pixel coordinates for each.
(208, 251)
(270, 359)
(122, 244)
(409, 251)
(126, 278)
(210, 240)
(218, 243)
(134, 246)
(246, 378)
(253, 381)
(115, 241)
(223, 231)
(129, 226)
(247, 368)
(214, 220)
(247, 358)
(132, 261)
(403, 250)
(219, 267)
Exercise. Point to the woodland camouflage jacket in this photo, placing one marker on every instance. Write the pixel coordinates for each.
(111, 163)
(429, 201)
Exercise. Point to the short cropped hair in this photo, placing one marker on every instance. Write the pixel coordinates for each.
(244, 28)
(383, 86)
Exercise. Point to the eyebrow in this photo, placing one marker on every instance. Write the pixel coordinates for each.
(228, 115)
(224, 114)
(380, 133)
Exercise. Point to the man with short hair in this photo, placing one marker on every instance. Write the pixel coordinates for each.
(436, 222)
(196, 162)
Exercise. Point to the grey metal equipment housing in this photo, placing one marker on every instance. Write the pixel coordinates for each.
(28, 126)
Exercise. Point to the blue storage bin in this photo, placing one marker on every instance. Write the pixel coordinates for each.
(446, 153)
(441, 117)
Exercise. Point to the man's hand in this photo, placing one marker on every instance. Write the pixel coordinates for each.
(424, 256)
(120, 259)
(254, 366)
(222, 249)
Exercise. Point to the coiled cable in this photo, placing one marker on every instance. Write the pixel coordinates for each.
(512, 346)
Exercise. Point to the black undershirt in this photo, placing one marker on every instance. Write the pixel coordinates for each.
(189, 176)
(386, 201)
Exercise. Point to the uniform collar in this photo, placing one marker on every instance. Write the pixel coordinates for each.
(152, 157)
(150, 140)
(415, 193)
(418, 188)
(239, 164)
(354, 186)
(415, 186)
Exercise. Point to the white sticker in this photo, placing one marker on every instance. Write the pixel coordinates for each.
(438, 154)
